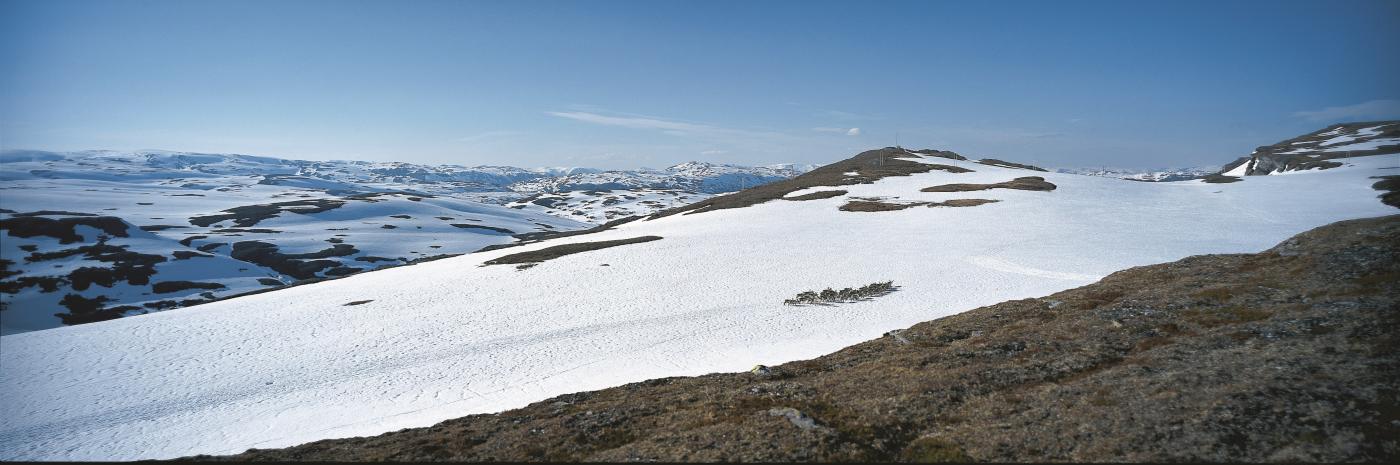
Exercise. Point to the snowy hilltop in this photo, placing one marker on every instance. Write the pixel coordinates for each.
(714, 286)
(1320, 149)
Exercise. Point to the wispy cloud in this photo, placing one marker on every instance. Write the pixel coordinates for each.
(634, 122)
(846, 131)
(699, 131)
(713, 152)
(1383, 108)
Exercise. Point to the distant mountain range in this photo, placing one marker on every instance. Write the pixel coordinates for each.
(365, 176)
(1152, 175)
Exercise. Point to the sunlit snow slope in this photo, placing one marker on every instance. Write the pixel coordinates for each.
(447, 338)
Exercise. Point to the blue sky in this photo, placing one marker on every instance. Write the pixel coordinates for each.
(627, 84)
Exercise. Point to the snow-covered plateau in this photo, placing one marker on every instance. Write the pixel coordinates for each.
(97, 235)
(414, 345)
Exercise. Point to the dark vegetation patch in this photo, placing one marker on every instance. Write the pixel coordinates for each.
(533, 237)
(940, 154)
(29, 247)
(880, 206)
(189, 241)
(5, 271)
(374, 196)
(250, 215)
(962, 203)
(549, 253)
(44, 283)
(870, 166)
(874, 206)
(245, 230)
(402, 217)
(1391, 185)
(487, 228)
(161, 227)
(1220, 178)
(133, 267)
(188, 254)
(1007, 164)
(269, 282)
(166, 287)
(299, 266)
(61, 228)
(144, 203)
(335, 240)
(847, 295)
(374, 259)
(343, 271)
(547, 202)
(357, 302)
(51, 213)
(210, 247)
(1028, 183)
(161, 304)
(1293, 364)
(388, 226)
(84, 310)
(817, 195)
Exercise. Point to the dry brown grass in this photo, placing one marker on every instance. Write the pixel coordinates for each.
(1028, 183)
(550, 253)
(817, 195)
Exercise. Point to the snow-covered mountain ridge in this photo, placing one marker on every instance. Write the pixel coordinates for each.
(680, 294)
(1320, 149)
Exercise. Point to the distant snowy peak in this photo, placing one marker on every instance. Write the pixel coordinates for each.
(1150, 175)
(1317, 150)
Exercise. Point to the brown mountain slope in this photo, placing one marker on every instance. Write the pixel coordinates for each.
(1285, 355)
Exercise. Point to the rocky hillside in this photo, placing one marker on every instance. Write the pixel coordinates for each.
(1284, 355)
(1318, 149)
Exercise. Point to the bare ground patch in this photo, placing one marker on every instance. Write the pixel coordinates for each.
(868, 166)
(817, 195)
(1028, 183)
(550, 253)
(881, 206)
(1391, 185)
(1007, 164)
